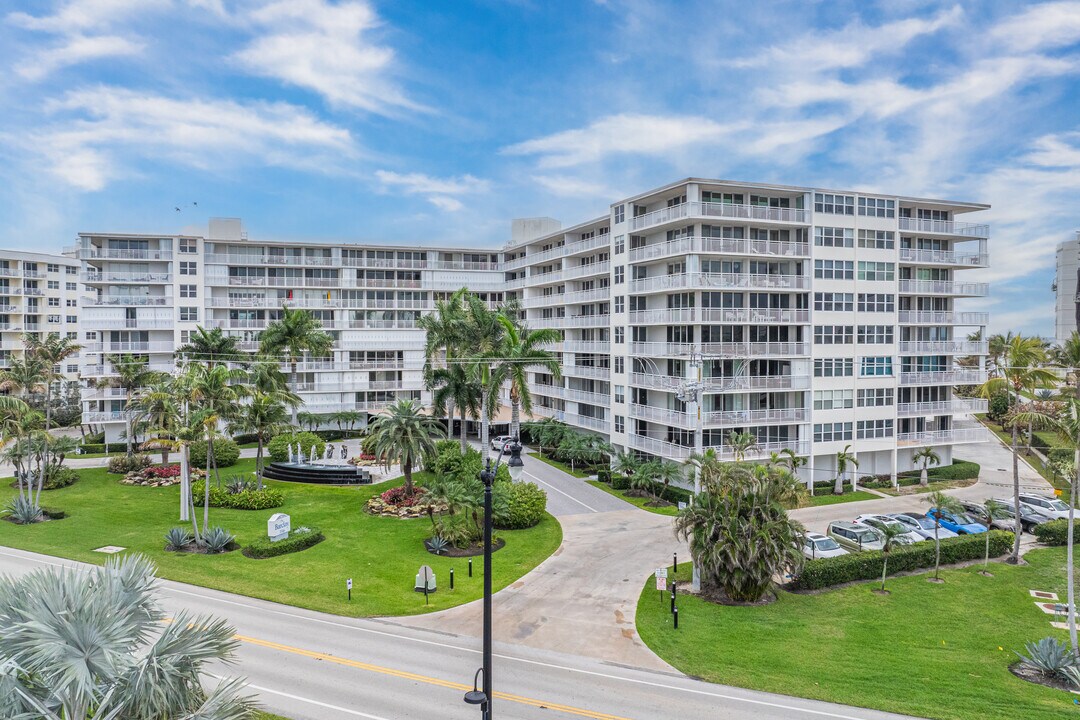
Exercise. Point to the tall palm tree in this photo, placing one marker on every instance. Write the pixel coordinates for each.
(132, 374)
(997, 347)
(890, 537)
(264, 415)
(158, 406)
(927, 457)
(454, 386)
(483, 336)
(296, 334)
(521, 350)
(708, 465)
(211, 346)
(940, 502)
(216, 391)
(266, 376)
(665, 473)
(741, 443)
(1019, 370)
(53, 351)
(844, 458)
(25, 376)
(108, 655)
(1067, 355)
(13, 413)
(402, 434)
(444, 335)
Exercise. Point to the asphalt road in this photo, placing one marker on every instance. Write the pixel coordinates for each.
(312, 666)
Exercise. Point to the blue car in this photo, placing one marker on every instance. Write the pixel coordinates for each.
(959, 523)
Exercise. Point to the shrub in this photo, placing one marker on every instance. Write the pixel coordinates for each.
(1054, 532)
(177, 538)
(866, 565)
(620, 482)
(525, 506)
(264, 499)
(603, 475)
(278, 447)
(218, 540)
(122, 464)
(330, 435)
(98, 438)
(226, 453)
(999, 405)
(53, 513)
(1049, 657)
(299, 539)
(1060, 455)
(437, 545)
(449, 463)
(60, 476)
(99, 448)
(245, 438)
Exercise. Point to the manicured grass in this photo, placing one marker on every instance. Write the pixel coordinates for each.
(381, 555)
(935, 651)
(1031, 458)
(830, 499)
(562, 466)
(635, 501)
(932, 486)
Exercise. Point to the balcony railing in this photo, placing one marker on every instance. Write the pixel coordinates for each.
(107, 416)
(662, 448)
(954, 406)
(670, 383)
(719, 315)
(572, 321)
(139, 300)
(108, 254)
(721, 210)
(943, 347)
(757, 417)
(558, 252)
(944, 437)
(720, 246)
(9, 272)
(943, 287)
(596, 268)
(129, 347)
(135, 323)
(944, 227)
(571, 298)
(947, 317)
(756, 382)
(586, 421)
(719, 281)
(960, 376)
(800, 447)
(943, 257)
(587, 371)
(664, 416)
(116, 277)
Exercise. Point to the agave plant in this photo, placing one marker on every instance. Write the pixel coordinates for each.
(1051, 657)
(107, 656)
(23, 510)
(438, 545)
(177, 538)
(217, 540)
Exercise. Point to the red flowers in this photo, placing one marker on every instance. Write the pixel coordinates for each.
(162, 471)
(396, 497)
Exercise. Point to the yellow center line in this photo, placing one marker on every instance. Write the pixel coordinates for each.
(405, 675)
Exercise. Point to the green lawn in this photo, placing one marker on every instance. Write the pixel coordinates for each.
(1031, 458)
(381, 555)
(635, 501)
(935, 651)
(830, 499)
(562, 466)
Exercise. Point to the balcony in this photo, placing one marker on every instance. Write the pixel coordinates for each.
(94, 253)
(662, 349)
(573, 321)
(953, 406)
(135, 323)
(944, 287)
(126, 277)
(943, 347)
(102, 417)
(587, 346)
(571, 298)
(160, 346)
(915, 256)
(756, 349)
(756, 382)
(718, 210)
(664, 416)
(719, 315)
(36, 292)
(8, 272)
(944, 227)
(747, 246)
(10, 326)
(596, 268)
(782, 416)
(801, 447)
(719, 281)
(129, 300)
(955, 436)
(587, 371)
(661, 448)
(947, 317)
(377, 365)
(586, 421)
(670, 383)
(558, 252)
(959, 376)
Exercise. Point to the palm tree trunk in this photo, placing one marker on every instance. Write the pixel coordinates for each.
(924, 477)
(838, 487)
(937, 544)
(1015, 557)
(127, 423)
(484, 420)
(45, 439)
(986, 559)
(206, 491)
(185, 484)
(450, 418)
(210, 458)
(515, 418)
(884, 569)
(259, 462)
(406, 468)
(1070, 570)
(464, 439)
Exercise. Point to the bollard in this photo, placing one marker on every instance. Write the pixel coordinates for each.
(451, 578)
(672, 599)
(470, 567)
(675, 614)
(675, 561)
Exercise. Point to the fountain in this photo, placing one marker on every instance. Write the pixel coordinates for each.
(313, 468)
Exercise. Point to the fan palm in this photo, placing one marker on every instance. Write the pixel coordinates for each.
(403, 434)
(295, 334)
(940, 502)
(927, 457)
(521, 350)
(213, 347)
(1019, 370)
(107, 655)
(844, 458)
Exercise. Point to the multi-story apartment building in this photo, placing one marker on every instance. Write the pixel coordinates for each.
(1066, 305)
(39, 294)
(813, 319)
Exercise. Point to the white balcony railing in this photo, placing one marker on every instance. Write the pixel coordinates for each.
(757, 417)
(587, 371)
(587, 346)
(719, 281)
(801, 447)
(943, 287)
(943, 347)
(944, 437)
(135, 323)
(947, 317)
(660, 382)
(954, 406)
(944, 257)
(756, 382)
(139, 300)
(596, 268)
(959, 376)
(94, 253)
(571, 298)
(721, 210)
(719, 315)
(944, 227)
(126, 277)
(664, 416)
(662, 448)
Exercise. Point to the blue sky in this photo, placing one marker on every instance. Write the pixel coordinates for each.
(438, 122)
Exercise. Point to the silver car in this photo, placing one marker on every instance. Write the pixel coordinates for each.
(1050, 506)
(910, 537)
(921, 524)
(816, 545)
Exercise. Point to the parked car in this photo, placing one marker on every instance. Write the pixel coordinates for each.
(922, 524)
(501, 442)
(1050, 506)
(910, 537)
(816, 545)
(960, 523)
(1030, 516)
(853, 536)
(1006, 521)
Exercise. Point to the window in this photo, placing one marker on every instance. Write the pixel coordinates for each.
(620, 244)
(620, 365)
(620, 335)
(53, 318)
(875, 367)
(189, 291)
(834, 237)
(620, 424)
(54, 284)
(836, 302)
(869, 429)
(189, 314)
(620, 213)
(875, 397)
(73, 318)
(875, 334)
(833, 334)
(72, 286)
(876, 239)
(72, 303)
(620, 274)
(73, 368)
(876, 270)
(72, 270)
(829, 432)
(877, 207)
(53, 267)
(620, 393)
(876, 302)
(834, 269)
(185, 337)
(54, 302)
(620, 303)
(189, 268)
(834, 204)
(833, 367)
(832, 399)
(189, 246)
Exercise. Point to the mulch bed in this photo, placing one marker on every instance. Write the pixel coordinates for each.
(1039, 678)
(47, 515)
(470, 551)
(719, 597)
(194, 549)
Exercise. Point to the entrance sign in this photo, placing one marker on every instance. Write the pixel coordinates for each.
(278, 526)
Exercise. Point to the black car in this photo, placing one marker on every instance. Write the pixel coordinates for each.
(1028, 518)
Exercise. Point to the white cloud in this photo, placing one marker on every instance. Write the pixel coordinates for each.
(76, 16)
(326, 48)
(104, 126)
(446, 203)
(76, 49)
(1040, 27)
(439, 191)
(576, 187)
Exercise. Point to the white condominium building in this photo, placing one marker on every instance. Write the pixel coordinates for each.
(1067, 308)
(39, 294)
(813, 319)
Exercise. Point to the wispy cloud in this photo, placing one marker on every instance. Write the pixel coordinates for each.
(1040, 27)
(74, 50)
(440, 192)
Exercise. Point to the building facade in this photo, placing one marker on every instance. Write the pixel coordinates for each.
(39, 294)
(813, 319)
(1066, 306)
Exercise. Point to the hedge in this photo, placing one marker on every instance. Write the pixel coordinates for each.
(245, 438)
(122, 464)
(619, 482)
(264, 499)
(99, 448)
(959, 470)
(866, 565)
(1054, 532)
(299, 539)
(526, 504)
(60, 477)
(226, 453)
(278, 447)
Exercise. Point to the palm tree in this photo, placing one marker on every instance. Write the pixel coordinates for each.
(264, 415)
(108, 655)
(1018, 371)
(709, 466)
(346, 418)
(844, 458)
(665, 473)
(741, 443)
(13, 413)
(213, 347)
(53, 351)
(521, 350)
(132, 374)
(940, 502)
(157, 405)
(266, 376)
(295, 334)
(927, 457)
(308, 421)
(444, 334)
(26, 376)
(1067, 355)
(216, 392)
(993, 510)
(483, 334)
(627, 464)
(997, 347)
(890, 536)
(403, 434)
(547, 431)
(454, 386)
(642, 482)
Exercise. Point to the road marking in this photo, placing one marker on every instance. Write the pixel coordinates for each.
(320, 703)
(416, 677)
(562, 493)
(593, 673)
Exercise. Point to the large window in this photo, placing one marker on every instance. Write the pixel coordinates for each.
(876, 270)
(877, 207)
(620, 213)
(829, 432)
(833, 367)
(875, 334)
(834, 204)
(834, 269)
(869, 429)
(832, 399)
(189, 268)
(875, 367)
(834, 237)
(877, 239)
(875, 397)
(833, 334)
(836, 302)
(876, 302)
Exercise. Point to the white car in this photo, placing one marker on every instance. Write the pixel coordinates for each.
(921, 524)
(909, 537)
(816, 545)
(501, 442)
(1048, 506)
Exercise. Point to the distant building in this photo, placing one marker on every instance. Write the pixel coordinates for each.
(1067, 309)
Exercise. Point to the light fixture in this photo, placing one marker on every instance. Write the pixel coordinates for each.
(515, 464)
(476, 696)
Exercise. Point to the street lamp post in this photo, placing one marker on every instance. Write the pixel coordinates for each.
(487, 476)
